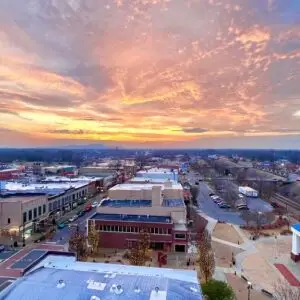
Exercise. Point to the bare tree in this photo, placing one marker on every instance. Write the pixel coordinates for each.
(77, 243)
(140, 253)
(206, 258)
(93, 238)
(285, 291)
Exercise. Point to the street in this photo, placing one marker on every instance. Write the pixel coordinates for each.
(62, 235)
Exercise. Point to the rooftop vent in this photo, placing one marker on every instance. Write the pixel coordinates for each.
(61, 284)
(116, 289)
(95, 298)
(137, 290)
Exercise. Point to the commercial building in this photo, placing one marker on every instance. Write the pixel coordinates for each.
(169, 190)
(295, 254)
(18, 213)
(61, 277)
(158, 209)
(109, 176)
(9, 174)
(61, 196)
(159, 173)
(62, 170)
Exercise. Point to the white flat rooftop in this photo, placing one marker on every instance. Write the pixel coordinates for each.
(144, 186)
(39, 187)
(158, 170)
(151, 180)
(67, 179)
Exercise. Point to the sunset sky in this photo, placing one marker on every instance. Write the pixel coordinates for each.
(150, 73)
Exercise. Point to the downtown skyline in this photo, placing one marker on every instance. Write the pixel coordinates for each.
(150, 73)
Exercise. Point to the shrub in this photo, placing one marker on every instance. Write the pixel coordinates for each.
(217, 290)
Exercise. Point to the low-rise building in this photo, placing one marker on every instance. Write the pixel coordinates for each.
(133, 208)
(19, 212)
(61, 196)
(139, 191)
(159, 173)
(61, 277)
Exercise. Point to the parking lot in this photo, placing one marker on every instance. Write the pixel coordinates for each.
(207, 205)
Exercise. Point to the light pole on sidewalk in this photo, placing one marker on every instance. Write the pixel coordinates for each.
(249, 288)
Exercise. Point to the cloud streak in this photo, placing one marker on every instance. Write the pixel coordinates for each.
(138, 72)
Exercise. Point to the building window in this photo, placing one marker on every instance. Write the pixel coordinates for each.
(50, 206)
(8, 221)
(180, 236)
(34, 213)
(160, 231)
(24, 217)
(156, 230)
(136, 229)
(44, 208)
(169, 231)
(101, 227)
(30, 215)
(40, 210)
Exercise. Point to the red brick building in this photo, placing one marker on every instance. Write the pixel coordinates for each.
(9, 174)
(121, 231)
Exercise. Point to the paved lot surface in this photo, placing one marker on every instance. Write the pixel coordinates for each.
(224, 253)
(240, 288)
(210, 208)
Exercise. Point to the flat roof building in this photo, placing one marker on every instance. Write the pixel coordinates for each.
(18, 212)
(159, 173)
(144, 191)
(61, 277)
(130, 208)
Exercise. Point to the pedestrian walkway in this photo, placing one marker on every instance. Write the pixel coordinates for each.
(228, 243)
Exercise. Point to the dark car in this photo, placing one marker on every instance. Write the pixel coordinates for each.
(211, 194)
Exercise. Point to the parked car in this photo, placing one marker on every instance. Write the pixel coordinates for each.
(215, 197)
(88, 208)
(242, 207)
(211, 194)
(224, 205)
(61, 225)
(95, 204)
(72, 219)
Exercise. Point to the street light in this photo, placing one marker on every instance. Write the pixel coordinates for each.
(249, 288)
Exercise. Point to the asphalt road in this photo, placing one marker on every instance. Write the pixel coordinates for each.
(62, 235)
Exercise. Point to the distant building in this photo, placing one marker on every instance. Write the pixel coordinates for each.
(61, 277)
(159, 173)
(9, 174)
(62, 170)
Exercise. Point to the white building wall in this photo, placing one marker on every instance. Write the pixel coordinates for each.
(143, 194)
